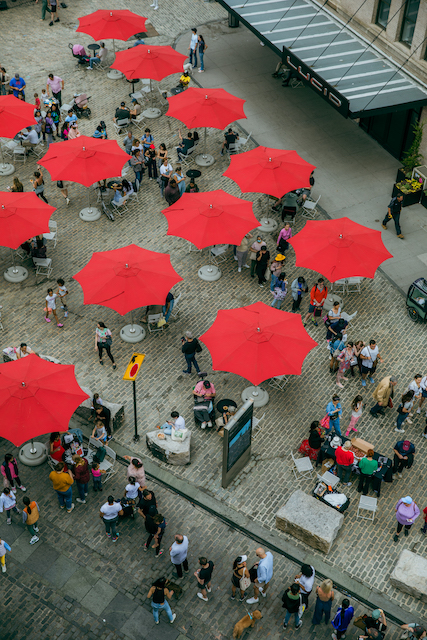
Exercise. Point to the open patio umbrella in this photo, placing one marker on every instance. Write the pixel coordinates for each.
(151, 62)
(257, 342)
(84, 160)
(115, 24)
(14, 115)
(36, 397)
(339, 249)
(125, 279)
(206, 108)
(22, 216)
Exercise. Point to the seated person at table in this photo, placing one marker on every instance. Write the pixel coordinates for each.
(101, 131)
(201, 412)
(127, 188)
(122, 112)
(73, 131)
(135, 109)
(192, 187)
(99, 57)
(205, 389)
(311, 446)
(230, 137)
(227, 413)
(304, 193)
(29, 137)
(117, 188)
(99, 432)
(38, 249)
(71, 117)
(336, 330)
(177, 422)
(184, 80)
(56, 450)
(23, 351)
(185, 144)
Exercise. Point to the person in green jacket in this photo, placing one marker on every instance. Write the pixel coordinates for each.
(368, 466)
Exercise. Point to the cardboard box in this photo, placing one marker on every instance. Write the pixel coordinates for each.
(362, 444)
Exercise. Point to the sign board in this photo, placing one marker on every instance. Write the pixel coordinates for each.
(305, 73)
(134, 366)
(237, 443)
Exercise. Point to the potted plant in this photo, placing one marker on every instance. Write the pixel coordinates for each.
(411, 190)
(412, 158)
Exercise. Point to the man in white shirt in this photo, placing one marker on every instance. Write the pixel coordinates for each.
(110, 512)
(178, 553)
(305, 579)
(193, 48)
(369, 357)
(416, 387)
(423, 385)
(100, 56)
(29, 137)
(177, 422)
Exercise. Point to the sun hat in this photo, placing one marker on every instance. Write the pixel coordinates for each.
(407, 500)
(279, 257)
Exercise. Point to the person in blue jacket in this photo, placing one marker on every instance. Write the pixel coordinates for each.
(342, 619)
(334, 412)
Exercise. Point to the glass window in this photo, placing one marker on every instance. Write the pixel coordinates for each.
(409, 20)
(383, 11)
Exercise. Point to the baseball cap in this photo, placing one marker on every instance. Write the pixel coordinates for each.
(242, 559)
(407, 500)
(406, 445)
(376, 613)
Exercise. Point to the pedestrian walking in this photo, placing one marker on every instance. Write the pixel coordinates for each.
(109, 513)
(416, 387)
(393, 212)
(280, 291)
(10, 471)
(334, 411)
(305, 579)
(8, 504)
(240, 579)
(159, 593)
(344, 359)
(104, 340)
(147, 500)
(242, 252)
(30, 517)
(37, 181)
(424, 527)
(292, 602)
(264, 574)
(276, 269)
(136, 470)
(178, 553)
(62, 293)
(342, 619)
(404, 454)
(383, 394)
(367, 466)
(299, 288)
(193, 48)
(318, 297)
(3, 548)
(62, 482)
(158, 526)
(51, 307)
(53, 5)
(82, 477)
(406, 514)
(262, 262)
(203, 576)
(255, 247)
(404, 409)
(370, 355)
(56, 84)
(97, 476)
(324, 598)
(423, 385)
(190, 346)
(345, 459)
(414, 631)
(356, 413)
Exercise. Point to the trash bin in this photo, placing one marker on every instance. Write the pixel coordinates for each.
(233, 21)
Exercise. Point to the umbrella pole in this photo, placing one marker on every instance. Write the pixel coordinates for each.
(6, 169)
(209, 272)
(89, 213)
(258, 395)
(33, 454)
(204, 159)
(15, 274)
(132, 332)
(268, 225)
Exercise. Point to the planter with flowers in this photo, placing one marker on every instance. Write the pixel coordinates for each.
(410, 189)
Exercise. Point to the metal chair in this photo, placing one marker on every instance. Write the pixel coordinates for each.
(278, 382)
(121, 124)
(232, 149)
(255, 426)
(301, 466)
(20, 154)
(242, 142)
(329, 479)
(53, 233)
(120, 206)
(152, 321)
(339, 285)
(353, 284)
(43, 266)
(367, 504)
(217, 253)
(309, 208)
(175, 311)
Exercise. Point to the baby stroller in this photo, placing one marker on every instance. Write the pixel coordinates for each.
(79, 53)
(80, 105)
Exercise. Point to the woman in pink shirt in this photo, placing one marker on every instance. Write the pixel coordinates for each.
(73, 132)
(284, 235)
(205, 389)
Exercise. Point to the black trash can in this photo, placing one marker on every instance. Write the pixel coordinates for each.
(233, 21)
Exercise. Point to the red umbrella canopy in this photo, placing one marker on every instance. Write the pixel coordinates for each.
(210, 217)
(127, 278)
(206, 108)
(14, 115)
(115, 24)
(339, 249)
(36, 397)
(272, 171)
(147, 61)
(84, 160)
(258, 342)
(22, 216)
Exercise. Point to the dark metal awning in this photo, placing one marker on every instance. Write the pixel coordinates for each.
(327, 54)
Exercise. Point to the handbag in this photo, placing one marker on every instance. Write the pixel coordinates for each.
(353, 361)
(317, 312)
(161, 322)
(179, 435)
(359, 622)
(325, 423)
(198, 347)
(100, 454)
(108, 341)
(302, 607)
(390, 403)
(244, 582)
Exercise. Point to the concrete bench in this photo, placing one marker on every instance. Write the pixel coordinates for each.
(168, 450)
(310, 521)
(410, 575)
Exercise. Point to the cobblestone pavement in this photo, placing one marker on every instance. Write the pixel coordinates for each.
(267, 481)
(76, 581)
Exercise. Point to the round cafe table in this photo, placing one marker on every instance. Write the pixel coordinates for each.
(225, 403)
(193, 173)
(93, 47)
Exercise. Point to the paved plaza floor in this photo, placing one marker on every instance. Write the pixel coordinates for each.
(363, 550)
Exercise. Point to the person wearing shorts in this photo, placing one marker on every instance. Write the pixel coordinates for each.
(318, 297)
(51, 306)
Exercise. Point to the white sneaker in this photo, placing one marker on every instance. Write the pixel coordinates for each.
(22, 488)
(264, 595)
(14, 489)
(203, 425)
(3, 568)
(399, 475)
(201, 596)
(408, 420)
(34, 539)
(67, 200)
(81, 501)
(418, 410)
(248, 266)
(173, 618)
(210, 424)
(425, 435)
(400, 430)
(236, 258)
(239, 269)
(252, 600)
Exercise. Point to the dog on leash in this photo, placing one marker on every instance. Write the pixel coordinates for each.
(247, 621)
(188, 67)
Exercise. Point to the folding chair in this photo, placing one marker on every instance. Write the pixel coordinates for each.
(109, 461)
(339, 285)
(20, 154)
(185, 159)
(43, 266)
(309, 208)
(367, 504)
(353, 284)
(152, 321)
(232, 149)
(278, 382)
(329, 479)
(175, 311)
(301, 466)
(217, 253)
(120, 206)
(8, 147)
(242, 142)
(138, 122)
(256, 429)
(296, 83)
(53, 232)
(121, 124)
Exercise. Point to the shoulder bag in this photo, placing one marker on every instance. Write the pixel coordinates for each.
(245, 581)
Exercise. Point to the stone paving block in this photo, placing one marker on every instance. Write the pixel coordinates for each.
(142, 618)
(60, 571)
(43, 557)
(99, 596)
(119, 610)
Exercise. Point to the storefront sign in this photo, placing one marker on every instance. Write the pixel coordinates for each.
(237, 443)
(303, 72)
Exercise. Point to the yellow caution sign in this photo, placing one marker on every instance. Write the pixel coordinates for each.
(134, 366)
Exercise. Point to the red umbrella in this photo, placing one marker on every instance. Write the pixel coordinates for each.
(115, 24)
(339, 249)
(36, 397)
(127, 278)
(271, 171)
(210, 217)
(258, 342)
(14, 115)
(206, 108)
(84, 160)
(147, 61)
(22, 215)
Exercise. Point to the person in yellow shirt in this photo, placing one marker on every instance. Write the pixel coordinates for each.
(62, 482)
(184, 80)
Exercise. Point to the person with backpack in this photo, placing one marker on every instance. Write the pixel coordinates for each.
(292, 602)
(342, 619)
(10, 472)
(30, 517)
(318, 297)
(334, 411)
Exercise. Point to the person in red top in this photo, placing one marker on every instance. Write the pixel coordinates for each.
(424, 528)
(317, 300)
(345, 459)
